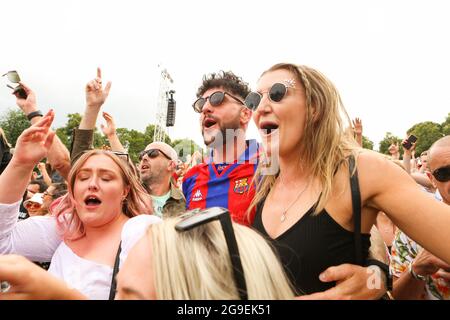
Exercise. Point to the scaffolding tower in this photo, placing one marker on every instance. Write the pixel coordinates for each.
(161, 109)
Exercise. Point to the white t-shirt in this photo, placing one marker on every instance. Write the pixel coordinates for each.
(37, 239)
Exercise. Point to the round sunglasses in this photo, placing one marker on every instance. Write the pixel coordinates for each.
(442, 174)
(276, 93)
(215, 100)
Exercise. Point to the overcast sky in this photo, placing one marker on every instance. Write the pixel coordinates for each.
(390, 60)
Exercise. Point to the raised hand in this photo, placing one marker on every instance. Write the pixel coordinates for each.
(357, 126)
(34, 143)
(110, 128)
(27, 105)
(41, 167)
(95, 94)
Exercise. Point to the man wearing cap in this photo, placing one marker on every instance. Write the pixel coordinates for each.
(34, 205)
(157, 164)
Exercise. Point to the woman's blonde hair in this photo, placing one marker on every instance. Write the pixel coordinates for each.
(196, 265)
(136, 202)
(327, 139)
(3, 139)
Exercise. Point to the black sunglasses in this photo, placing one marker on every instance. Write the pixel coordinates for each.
(442, 174)
(152, 153)
(18, 90)
(276, 93)
(215, 100)
(196, 218)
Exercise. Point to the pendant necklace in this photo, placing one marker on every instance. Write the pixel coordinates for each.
(283, 215)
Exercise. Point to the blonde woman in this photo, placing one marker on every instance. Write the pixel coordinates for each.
(177, 260)
(5, 151)
(306, 208)
(87, 227)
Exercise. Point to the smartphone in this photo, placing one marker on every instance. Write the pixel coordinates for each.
(408, 143)
(20, 91)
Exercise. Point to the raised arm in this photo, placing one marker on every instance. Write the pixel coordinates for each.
(58, 155)
(45, 176)
(407, 155)
(95, 98)
(110, 132)
(412, 210)
(32, 145)
(358, 129)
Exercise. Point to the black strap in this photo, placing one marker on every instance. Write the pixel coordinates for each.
(233, 248)
(356, 203)
(112, 291)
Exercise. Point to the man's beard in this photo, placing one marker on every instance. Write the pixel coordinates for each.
(221, 136)
(149, 179)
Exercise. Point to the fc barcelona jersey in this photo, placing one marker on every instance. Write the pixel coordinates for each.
(224, 185)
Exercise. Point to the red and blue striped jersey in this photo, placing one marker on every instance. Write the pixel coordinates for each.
(224, 185)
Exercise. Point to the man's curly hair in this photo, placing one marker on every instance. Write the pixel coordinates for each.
(226, 80)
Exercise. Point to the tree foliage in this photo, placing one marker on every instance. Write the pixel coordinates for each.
(388, 139)
(367, 144)
(427, 133)
(133, 141)
(13, 122)
(150, 133)
(446, 126)
(185, 147)
(65, 133)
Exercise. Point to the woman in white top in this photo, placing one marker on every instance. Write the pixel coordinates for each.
(83, 233)
(174, 263)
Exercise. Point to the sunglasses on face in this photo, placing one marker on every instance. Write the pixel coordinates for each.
(442, 174)
(13, 77)
(195, 218)
(152, 153)
(276, 93)
(33, 205)
(215, 100)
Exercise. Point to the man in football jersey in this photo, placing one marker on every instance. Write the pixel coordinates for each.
(225, 179)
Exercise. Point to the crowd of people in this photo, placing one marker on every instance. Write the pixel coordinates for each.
(306, 214)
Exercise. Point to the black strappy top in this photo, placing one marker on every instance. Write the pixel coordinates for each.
(313, 244)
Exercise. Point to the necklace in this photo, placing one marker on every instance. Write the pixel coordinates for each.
(283, 215)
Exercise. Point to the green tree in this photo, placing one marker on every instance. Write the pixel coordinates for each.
(446, 126)
(73, 121)
(183, 147)
(134, 141)
(13, 122)
(388, 139)
(150, 133)
(367, 144)
(426, 132)
(65, 133)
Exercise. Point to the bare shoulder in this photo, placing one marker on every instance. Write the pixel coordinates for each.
(369, 160)
(377, 173)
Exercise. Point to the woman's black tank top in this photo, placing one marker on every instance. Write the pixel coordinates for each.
(310, 246)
